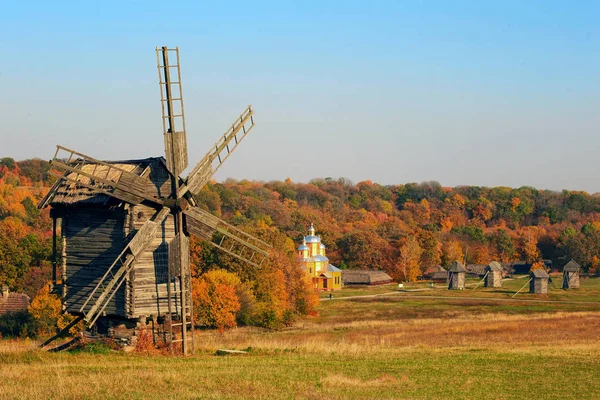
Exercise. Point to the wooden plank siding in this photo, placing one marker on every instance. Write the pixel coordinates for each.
(94, 238)
(150, 272)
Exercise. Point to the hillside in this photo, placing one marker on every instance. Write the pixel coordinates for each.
(402, 229)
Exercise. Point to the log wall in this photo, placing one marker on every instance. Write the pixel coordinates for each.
(94, 239)
(148, 280)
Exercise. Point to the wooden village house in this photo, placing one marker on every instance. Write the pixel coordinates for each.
(493, 275)
(12, 302)
(435, 274)
(456, 276)
(571, 275)
(539, 281)
(325, 276)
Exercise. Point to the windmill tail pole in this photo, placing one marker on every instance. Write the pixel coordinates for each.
(62, 332)
(526, 283)
(481, 281)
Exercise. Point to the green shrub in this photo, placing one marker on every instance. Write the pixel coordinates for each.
(18, 325)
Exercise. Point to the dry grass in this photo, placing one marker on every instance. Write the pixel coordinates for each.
(376, 348)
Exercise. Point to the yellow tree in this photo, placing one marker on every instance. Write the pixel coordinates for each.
(408, 262)
(46, 309)
(451, 251)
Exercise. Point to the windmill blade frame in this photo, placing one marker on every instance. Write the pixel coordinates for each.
(229, 239)
(172, 107)
(204, 170)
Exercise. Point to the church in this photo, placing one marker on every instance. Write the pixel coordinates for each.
(315, 263)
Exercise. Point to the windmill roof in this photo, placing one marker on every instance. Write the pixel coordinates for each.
(457, 267)
(64, 192)
(571, 266)
(539, 273)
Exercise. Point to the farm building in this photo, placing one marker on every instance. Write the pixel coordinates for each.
(476, 270)
(435, 274)
(365, 277)
(456, 276)
(539, 281)
(571, 275)
(12, 302)
(315, 263)
(493, 277)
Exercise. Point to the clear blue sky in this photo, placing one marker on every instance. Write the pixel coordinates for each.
(479, 93)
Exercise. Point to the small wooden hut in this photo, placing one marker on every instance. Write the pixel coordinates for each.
(456, 276)
(539, 281)
(571, 275)
(493, 277)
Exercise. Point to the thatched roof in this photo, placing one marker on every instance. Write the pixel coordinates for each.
(477, 269)
(433, 270)
(365, 277)
(571, 266)
(13, 302)
(457, 267)
(66, 193)
(539, 274)
(439, 276)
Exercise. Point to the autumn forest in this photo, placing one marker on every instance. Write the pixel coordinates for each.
(402, 229)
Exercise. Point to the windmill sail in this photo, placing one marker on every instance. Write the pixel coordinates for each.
(226, 237)
(171, 100)
(230, 140)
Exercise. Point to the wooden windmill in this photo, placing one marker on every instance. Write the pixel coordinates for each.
(126, 224)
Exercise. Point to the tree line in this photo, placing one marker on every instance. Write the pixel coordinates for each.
(401, 229)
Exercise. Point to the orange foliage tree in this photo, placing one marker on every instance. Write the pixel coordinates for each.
(216, 303)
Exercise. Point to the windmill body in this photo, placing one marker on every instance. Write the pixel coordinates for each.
(125, 225)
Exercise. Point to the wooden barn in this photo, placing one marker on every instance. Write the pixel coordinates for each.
(456, 276)
(493, 275)
(95, 227)
(571, 275)
(365, 277)
(539, 281)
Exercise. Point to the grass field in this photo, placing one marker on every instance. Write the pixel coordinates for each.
(441, 345)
